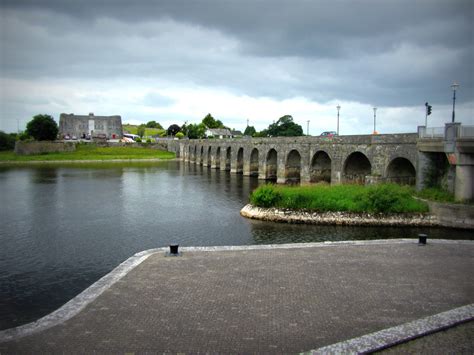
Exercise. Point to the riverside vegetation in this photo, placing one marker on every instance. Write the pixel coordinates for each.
(384, 198)
(91, 152)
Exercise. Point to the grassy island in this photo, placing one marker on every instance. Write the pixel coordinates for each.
(91, 152)
(385, 198)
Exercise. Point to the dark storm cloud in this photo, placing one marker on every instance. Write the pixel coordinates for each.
(399, 52)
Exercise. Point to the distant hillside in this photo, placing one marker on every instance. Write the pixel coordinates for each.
(148, 131)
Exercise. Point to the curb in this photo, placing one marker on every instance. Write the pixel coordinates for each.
(400, 334)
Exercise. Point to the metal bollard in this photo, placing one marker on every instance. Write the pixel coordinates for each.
(174, 250)
(422, 239)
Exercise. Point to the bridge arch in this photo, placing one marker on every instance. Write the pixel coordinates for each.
(218, 158)
(401, 171)
(228, 157)
(293, 167)
(271, 163)
(356, 167)
(320, 167)
(240, 161)
(254, 162)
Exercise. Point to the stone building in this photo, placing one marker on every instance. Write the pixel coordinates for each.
(82, 126)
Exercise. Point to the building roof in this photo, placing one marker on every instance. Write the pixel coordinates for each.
(219, 131)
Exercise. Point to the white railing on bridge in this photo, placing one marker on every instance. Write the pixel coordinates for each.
(431, 132)
(466, 132)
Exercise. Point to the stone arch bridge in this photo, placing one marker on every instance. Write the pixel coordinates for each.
(339, 159)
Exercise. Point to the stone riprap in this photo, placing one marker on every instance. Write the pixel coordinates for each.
(338, 218)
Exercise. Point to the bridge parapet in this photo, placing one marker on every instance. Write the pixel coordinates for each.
(401, 138)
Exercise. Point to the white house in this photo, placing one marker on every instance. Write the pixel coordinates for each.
(218, 133)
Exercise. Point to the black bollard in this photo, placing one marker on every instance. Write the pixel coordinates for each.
(422, 239)
(174, 249)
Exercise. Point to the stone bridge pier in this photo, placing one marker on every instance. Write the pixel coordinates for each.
(446, 159)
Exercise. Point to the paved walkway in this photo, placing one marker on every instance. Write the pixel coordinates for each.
(282, 299)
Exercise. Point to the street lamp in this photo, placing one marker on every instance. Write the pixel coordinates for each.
(338, 108)
(454, 86)
(375, 120)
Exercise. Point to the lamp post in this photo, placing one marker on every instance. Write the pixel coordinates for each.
(307, 127)
(375, 120)
(454, 86)
(338, 108)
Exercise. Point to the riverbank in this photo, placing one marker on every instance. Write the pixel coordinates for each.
(88, 161)
(339, 218)
(91, 153)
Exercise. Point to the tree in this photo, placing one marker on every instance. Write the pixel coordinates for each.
(211, 122)
(173, 129)
(42, 128)
(195, 131)
(284, 127)
(153, 124)
(141, 130)
(250, 131)
(7, 141)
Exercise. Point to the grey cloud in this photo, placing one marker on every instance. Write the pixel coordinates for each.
(322, 50)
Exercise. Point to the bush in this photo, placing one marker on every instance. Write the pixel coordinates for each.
(179, 135)
(148, 140)
(382, 198)
(138, 140)
(388, 198)
(265, 196)
(7, 141)
(42, 128)
(24, 136)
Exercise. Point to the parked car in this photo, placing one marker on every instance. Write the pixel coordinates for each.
(329, 134)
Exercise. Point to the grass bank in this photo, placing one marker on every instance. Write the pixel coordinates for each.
(386, 198)
(91, 152)
(133, 129)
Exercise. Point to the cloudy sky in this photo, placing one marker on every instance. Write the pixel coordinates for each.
(257, 60)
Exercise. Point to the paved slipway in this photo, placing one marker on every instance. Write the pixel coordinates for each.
(316, 297)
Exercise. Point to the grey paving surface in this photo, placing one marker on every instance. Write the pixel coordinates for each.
(264, 301)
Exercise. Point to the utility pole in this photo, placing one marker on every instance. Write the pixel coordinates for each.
(454, 86)
(338, 108)
(375, 120)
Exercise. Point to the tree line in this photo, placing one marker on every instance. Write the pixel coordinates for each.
(44, 127)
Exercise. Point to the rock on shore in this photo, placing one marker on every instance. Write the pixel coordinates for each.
(338, 218)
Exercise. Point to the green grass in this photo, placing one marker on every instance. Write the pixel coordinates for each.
(148, 131)
(386, 198)
(92, 152)
(436, 194)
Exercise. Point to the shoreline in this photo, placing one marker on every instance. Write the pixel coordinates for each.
(132, 160)
(339, 218)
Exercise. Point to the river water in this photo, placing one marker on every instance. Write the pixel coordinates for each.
(64, 227)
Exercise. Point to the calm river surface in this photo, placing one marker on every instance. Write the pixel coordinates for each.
(64, 227)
